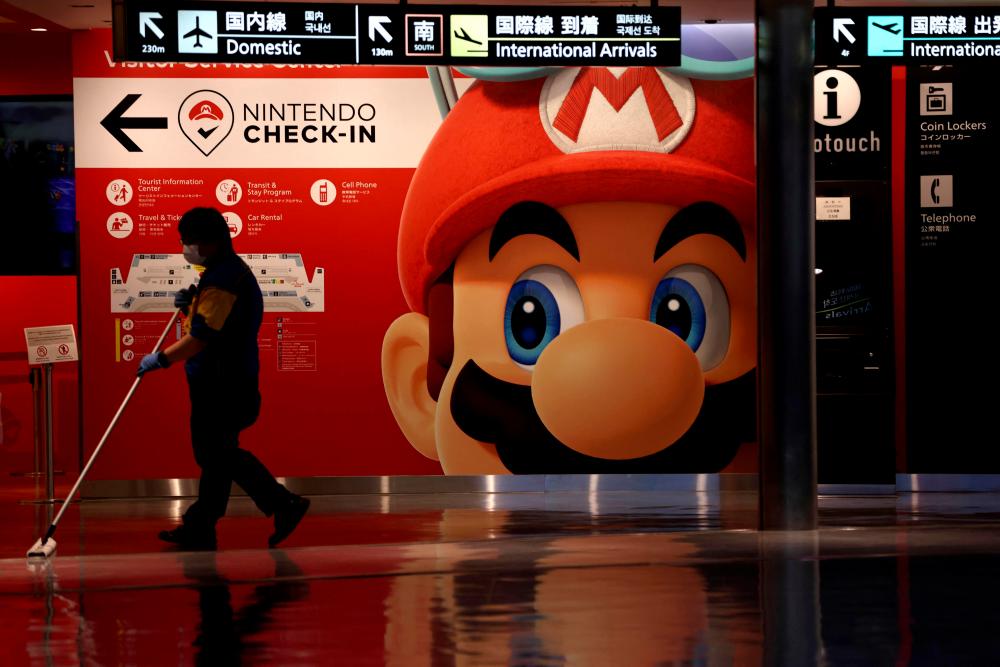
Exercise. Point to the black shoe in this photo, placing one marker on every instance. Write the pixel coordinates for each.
(286, 518)
(190, 539)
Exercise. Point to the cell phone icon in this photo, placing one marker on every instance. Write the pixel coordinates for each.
(323, 193)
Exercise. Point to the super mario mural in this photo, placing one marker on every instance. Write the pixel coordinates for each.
(578, 253)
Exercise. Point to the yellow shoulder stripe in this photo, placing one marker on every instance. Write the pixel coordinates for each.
(214, 305)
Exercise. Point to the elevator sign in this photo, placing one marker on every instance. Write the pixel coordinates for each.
(929, 35)
(371, 34)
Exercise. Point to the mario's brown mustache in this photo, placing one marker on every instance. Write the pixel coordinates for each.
(503, 414)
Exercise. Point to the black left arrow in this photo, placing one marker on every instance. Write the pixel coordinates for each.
(114, 123)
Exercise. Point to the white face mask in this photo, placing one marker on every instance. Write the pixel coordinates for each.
(192, 255)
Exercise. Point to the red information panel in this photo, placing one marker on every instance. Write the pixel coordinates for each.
(310, 167)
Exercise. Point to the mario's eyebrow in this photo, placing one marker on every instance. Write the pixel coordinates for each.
(530, 217)
(702, 218)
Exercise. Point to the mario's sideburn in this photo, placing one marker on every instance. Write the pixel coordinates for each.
(578, 253)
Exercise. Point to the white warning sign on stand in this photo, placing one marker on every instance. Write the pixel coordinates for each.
(50, 345)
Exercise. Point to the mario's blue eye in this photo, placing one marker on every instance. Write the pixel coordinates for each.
(691, 303)
(531, 320)
(678, 308)
(542, 303)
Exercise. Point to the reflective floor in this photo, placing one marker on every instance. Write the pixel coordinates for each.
(616, 578)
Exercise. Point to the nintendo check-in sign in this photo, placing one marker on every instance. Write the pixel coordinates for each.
(49, 345)
(274, 123)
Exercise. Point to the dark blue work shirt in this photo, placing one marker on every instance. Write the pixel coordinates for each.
(226, 314)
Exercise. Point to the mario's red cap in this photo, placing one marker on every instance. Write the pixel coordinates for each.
(205, 109)
(580, 135)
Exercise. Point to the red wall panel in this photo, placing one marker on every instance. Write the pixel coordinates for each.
(36, 63)
(899, 257)
(29, 301)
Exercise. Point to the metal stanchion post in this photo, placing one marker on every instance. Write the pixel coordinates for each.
(50, 468)
(36, 397)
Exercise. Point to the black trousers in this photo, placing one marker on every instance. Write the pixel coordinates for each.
(218, 414)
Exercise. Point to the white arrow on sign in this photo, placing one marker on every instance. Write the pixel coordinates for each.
(840, 28)
(146, 20)
(375, 23)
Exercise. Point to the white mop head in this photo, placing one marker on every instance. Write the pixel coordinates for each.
(38, 550)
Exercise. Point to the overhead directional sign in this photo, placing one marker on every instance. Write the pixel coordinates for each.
(331, 34)
(928, 35)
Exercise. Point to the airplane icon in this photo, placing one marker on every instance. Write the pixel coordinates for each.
(464, 36)
(888, 27)
(885, 36)
(470, 35)
(197, 33)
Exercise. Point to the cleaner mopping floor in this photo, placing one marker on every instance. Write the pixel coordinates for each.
(219, 348)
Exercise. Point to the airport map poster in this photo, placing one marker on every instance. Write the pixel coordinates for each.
(310, 166)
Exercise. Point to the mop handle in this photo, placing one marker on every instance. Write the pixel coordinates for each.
(111, 426)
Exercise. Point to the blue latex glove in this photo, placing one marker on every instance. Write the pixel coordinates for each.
(151, 362)
(183, 298)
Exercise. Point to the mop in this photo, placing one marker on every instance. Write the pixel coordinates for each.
(46, 546)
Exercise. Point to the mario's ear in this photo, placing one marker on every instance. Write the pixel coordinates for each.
(404, 375)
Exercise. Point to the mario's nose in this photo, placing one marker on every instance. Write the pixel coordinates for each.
(618, 388)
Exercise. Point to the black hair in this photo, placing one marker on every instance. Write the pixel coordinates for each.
(205, 224)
